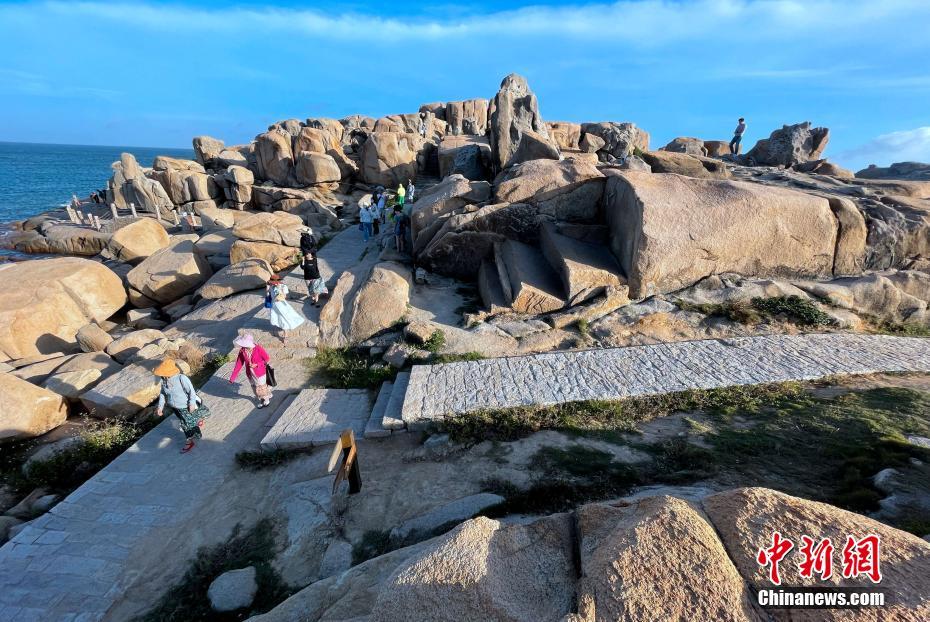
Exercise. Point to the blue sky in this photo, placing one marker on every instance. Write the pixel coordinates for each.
(158, 73)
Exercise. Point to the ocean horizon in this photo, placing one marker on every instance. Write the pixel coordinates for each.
(36, 177)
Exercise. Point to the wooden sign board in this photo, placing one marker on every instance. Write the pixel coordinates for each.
(348, 450)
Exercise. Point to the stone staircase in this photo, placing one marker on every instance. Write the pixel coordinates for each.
(564, 271)
(386, 415)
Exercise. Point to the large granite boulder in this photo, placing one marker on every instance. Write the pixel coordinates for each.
(317, 140)
(452, 193)
(274, 157)
(170, 273)
(60, 239)
(746, 518)
(27, 410)
(275, 227)
(43, 303)
(278, 256)
(316, 168)
(517, 131)
(238, 277)
(127, 346)
(238, 186)
(486, 570)
(689, 576)
(363, 303)
(565, 134)
(897, 297)
(130, 186)
(467, 155)
(207, 149)
(466, 117)
(670, 231)
(717, 148)
(137, 240)
(389, 159)
(569, 189)
(619, 139)
(685, 164)
(915, 171)
(124, 393)
(185, 181)
(686, 144)
(335, 129)
(792, 144)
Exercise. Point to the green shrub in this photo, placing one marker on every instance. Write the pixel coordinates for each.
(436, 342)
(257, 460)
(798, 310)
(346, 369)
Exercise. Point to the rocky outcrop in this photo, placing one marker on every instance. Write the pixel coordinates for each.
(129, 185)
(170, 273)
(566, 135)
(469, 156)
(516, 129)
(915, 171)
(277, 256)
(685, 164)
(792, 144)
(686, 144)
(207, 149)
(274, 157)
(45, 302)
(466, 117)
(57, 238)
(274, 227)
(669, 231)
(316, 168)
(238, 187)
(717, 148)
(822, 167)
(452, 193)
(137, 240)
(28, 410)
(565, 190)
(388, 159)
(897, 297)
(185, 181)
(92, 338)
(363, 303)
(613, 141)
(124, 393)
(238, 277)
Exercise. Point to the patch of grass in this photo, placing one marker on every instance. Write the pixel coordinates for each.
(375, 543)
(257, 460)
(347, 369)
(583, 327)
(607, 419)
(736, 311)
(187, 600)
(458, 358)
(436, 342)
(901, 330)
(68, 469)
(679, 462)
(200, 377)
(798, 310)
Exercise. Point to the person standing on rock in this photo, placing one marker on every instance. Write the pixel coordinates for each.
(178, 394)
(381, 203)
(401, 194)
(737, 136)
(316, 286)
(401, 224)
(255, 359)
(366, 216)
(411, 189)
(283, 315)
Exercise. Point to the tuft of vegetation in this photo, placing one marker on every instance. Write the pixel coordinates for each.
(202, 375)
(793, 309)
(458, 358)
(187, 600)
(607, 419)
(583, 327)
(103, 441)
(375, 543)
(899, 329)
(260, 459)
(436, 342)
(347, 369)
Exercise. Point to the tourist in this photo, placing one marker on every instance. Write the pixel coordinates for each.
(177, 392)
(401, 193)
(411, 189)
(737, 136)
(308, 242)
(283, 315)
(381, 204)
(401, 224)
(365, 217)
(255, 359)
(316, 286)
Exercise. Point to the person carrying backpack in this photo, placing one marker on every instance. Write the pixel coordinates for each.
(178, 394)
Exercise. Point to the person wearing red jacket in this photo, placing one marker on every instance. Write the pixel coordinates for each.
(255, 359)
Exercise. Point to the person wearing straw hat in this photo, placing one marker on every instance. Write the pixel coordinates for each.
(178, 394)
(283, 315)
(255, 359)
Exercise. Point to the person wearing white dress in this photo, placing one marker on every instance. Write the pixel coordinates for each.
(283, 315)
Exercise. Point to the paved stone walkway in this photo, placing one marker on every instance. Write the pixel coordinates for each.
(552, 378)
(77, 561)
(318, 417)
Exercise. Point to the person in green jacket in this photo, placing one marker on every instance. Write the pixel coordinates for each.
(401, 194)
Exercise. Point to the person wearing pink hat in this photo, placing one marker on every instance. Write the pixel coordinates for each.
(255, 360)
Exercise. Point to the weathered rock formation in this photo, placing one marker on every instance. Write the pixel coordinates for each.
(613, 141)
(517, 132)
(389, 159)
(169, 273)
(686, 144)
(915, 171)
(363, 303)
(45, 302)
(792, 144)
(27, 410)
(129, 185)
(137, 240)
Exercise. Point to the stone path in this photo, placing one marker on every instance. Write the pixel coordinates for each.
(78, 561)
(552, 378)
(318, 417)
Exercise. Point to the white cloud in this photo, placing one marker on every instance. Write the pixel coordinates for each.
(645, 23)
(903, 146)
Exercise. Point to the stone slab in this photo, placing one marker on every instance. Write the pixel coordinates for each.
(392, 415)
(375, 426)
(318, 417)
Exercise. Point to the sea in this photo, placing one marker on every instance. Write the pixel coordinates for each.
(38, 177)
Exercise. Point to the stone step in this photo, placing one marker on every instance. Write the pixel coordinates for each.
(489, 286)
(585, 269)
(392, 415)
(277, 412)
(318, 417)
(375, 426)
(528, 282)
